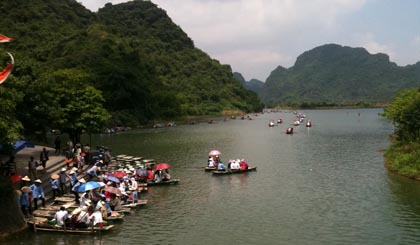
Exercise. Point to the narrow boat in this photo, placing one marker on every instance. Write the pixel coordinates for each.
(139, 203)
(41, 224)
(239, 171)
(208, 169)
(167, 182)
(49, 214)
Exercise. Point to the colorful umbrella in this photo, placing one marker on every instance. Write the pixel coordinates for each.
(15, 178)
(214, 153)
(114, 190)
(113, 179)
(89, 186)
(119, 174)
(161, 166)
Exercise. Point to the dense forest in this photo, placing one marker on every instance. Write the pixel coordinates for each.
(334, 75)
(130, 60)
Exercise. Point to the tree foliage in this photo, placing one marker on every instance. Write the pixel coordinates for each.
(404, 113)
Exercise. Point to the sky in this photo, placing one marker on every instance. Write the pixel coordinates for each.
(256, 36)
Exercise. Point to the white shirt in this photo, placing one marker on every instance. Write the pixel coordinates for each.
(96, 217)
(61, 216)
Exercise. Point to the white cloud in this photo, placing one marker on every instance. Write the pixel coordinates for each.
(367, 40)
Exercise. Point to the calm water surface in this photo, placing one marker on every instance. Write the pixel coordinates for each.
(322, 185)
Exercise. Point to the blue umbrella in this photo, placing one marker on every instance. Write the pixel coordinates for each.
(89, 186)
(113, 179)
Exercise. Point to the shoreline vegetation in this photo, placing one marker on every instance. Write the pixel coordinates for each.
(403, 154)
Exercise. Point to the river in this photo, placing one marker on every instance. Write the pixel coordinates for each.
(322, 185)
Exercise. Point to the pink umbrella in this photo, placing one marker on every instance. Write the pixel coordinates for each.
(214, 153)
(161, 166)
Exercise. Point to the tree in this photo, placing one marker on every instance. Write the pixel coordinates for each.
(10, 127)
(404, 113)
(67, 102)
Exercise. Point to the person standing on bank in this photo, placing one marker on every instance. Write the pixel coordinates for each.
(43, 157)
(57, 144)
(38, 193)
(32, 164)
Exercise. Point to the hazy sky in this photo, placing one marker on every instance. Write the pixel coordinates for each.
(255, 36)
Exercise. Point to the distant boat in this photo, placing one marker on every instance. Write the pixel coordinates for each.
(289, 131)
(279, 120)
(238, 171)
(296, 123)
(309, 123)
(271, 124)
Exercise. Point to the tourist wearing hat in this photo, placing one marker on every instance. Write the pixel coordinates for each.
(63, 179)
(25, 181)
(73, 177)
(37, 193)
(75, 189)
(32, 164)
(24, 203)
(55, 185)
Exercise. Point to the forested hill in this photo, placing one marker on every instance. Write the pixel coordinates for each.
(254, 85)
(145, 66)
(338, 75)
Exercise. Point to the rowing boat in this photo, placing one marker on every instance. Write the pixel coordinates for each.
(139, 203)
(208, 169)
(166, 182)
(239, 171)
(41, 224)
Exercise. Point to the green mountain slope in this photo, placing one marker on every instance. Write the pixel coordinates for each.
(254, 85)
(334, 74)
(146, 67)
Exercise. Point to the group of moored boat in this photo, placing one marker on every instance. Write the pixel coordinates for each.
(122, 168)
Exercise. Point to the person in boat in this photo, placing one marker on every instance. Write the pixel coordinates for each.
(235, 165)
(221, 167)
(76, 219)
(115, 202)
(95, 216)
(211, 162)
(157, 176)
(61, 216)
(94, 196)
(165, 175)
(133, 187)
(243, 165)
(37, 193)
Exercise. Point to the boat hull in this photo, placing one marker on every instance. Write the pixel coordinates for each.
(169, 182)
(218, 172)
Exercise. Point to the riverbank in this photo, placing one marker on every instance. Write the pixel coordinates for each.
(12, 219)
(403, 159)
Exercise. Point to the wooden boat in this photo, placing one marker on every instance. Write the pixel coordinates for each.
(41, 224)
(249, 169)
(167, 182)
(49, 214)
(139, 203)
(208, 169)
